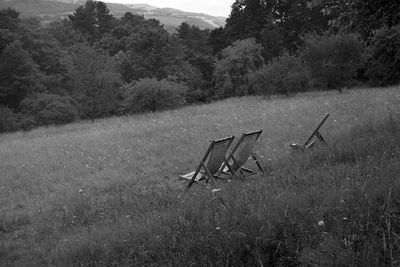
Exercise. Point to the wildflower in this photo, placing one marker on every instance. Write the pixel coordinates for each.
(321, 223)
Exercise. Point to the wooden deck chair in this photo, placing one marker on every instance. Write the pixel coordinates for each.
(241, 153)
(215, 157)
(316, 135)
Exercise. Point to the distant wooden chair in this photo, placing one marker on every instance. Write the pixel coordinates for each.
(210, 166)
(241, 153)
(310, 142)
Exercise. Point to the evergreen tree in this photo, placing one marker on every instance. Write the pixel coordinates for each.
(84, 18)
(92, 19)
(105, 21)
(218, 40)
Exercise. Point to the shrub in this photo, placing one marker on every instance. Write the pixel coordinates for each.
(383, 67)
(333, 60)
(282, 75)
(233, 70)
(27, 122)
(50, 109)
(153, 95)
(8, 119)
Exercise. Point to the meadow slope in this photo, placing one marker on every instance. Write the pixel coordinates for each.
(90, 193)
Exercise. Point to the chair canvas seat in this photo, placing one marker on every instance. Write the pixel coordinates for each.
(209, 167)
(310, 142)
(242, 152)
(304, 146)
(189, 176)
(226, 169)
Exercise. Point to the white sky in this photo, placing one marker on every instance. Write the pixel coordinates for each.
(211, 7)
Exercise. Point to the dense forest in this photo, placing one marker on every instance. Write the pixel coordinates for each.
(94, 65)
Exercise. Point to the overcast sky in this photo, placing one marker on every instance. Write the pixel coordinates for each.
(211, 7)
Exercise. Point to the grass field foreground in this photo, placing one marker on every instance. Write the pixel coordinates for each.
(107, 193)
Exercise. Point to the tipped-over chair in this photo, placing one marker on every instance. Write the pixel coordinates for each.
(210, 166)
(241, 153)
(316, 135)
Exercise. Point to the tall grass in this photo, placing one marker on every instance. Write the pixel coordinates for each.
(106, 193)
(337, 208)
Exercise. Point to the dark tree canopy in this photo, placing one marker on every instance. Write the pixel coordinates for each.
(78, 67)
(10, 27)
(19, 75)
(194, 38)
(247, 19)
(361, 16)
(283, 22)
(93, 19)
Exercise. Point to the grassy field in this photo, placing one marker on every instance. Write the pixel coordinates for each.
(107, 192)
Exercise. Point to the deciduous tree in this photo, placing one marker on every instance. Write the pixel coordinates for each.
(19, 75)
(94, 81)
(237, 62)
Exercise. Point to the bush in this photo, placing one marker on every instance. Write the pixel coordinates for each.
(8, 119)
(27, 122)
(48, 109)
(282, 75)
(383, 67)
(153, 95)
(233, 70)
(333, 60)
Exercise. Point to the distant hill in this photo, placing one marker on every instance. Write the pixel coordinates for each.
(49, 10)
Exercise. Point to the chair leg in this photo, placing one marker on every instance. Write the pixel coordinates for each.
(235, 162)
(255, 157)
(230, 170)
(209, 174)
(320, 137)
(226, 163)
(194, 176)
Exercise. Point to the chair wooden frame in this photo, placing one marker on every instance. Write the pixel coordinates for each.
(316, 135)
(210, 174)
(236, 166)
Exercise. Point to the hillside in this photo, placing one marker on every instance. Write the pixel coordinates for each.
(106, 193)
(49, 10)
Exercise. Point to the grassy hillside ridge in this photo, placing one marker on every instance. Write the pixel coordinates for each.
(93, 193)
(49, 10)
(40, 8)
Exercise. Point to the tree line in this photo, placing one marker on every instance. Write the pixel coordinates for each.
(93, 65)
